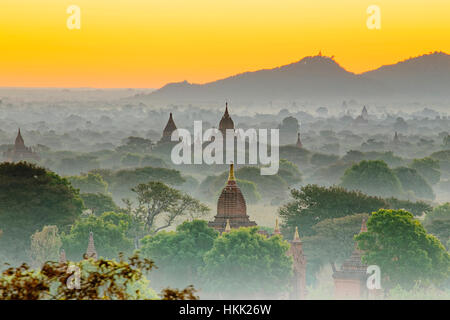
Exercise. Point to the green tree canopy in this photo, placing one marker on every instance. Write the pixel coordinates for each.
(31, 198)
(98, 202)
(373, 178)
(333, 240)
(403, 250)
(244, 263)
(427, 168)
(110, 236)
(312, 204)
(437, 222)
(179, 255)
(89, 183)
(411, 180)
(160, 205)
(45, 245)
(122, 181)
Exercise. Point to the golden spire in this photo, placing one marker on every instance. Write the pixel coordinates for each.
(296, 236)
(277, 228)
(227, 227)
(231, 175)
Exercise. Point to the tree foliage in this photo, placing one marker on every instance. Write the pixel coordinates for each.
(411, 180)
(179, 255)
(244, 263)
(31, 198)
(98, 203)
(159, 201)
(312, 204)
(406, 254)
(45, 245)
(110, 234)
(427, 168)
(333, 240)
(89, 183)
(99, 280)
(373, 178)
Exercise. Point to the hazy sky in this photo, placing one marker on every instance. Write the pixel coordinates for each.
(147, 43)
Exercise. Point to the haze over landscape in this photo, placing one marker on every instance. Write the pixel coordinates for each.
(354, 120)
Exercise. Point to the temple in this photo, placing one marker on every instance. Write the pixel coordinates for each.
(91, 252)
(299, 142)
(363, 118)
(350, 280)
(20, 151)
(168, 130)
(396, 139)
(226, 122)
(232, 214)
(299, 267)
(231, 207)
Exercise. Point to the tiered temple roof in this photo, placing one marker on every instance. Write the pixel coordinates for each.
(20, 151)
(231, 207)
(226, 122)
(91, 252)
(350, 280)
(168, 130)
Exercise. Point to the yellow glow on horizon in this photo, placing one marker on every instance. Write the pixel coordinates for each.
(148, 43)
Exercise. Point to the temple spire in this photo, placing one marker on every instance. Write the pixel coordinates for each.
(231, 174)
(299, 142)
(62, 257)
(363, 226)
(19, 140)
(91, 252)
(227, 227)
(296, 236)
(277, 228)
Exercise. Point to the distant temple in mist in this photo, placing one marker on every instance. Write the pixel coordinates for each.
(226, 122)
(396, 139)
(168, 130)
(350, 282)
(232, 214)
(20, 151)
(299, 142)
(363, 118)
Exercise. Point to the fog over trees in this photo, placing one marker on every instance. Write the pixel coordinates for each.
(101, 168)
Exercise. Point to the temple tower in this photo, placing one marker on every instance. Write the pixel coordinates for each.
(20, 151)
(364, 113)
(350, 280)
(226, 122)
(231, 207)
(91, 252)
(299, 267)
(396, 139)
(168, 130)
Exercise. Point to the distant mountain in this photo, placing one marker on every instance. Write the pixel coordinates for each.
(320, 78)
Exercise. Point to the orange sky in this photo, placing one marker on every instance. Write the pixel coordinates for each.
(147, 43)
